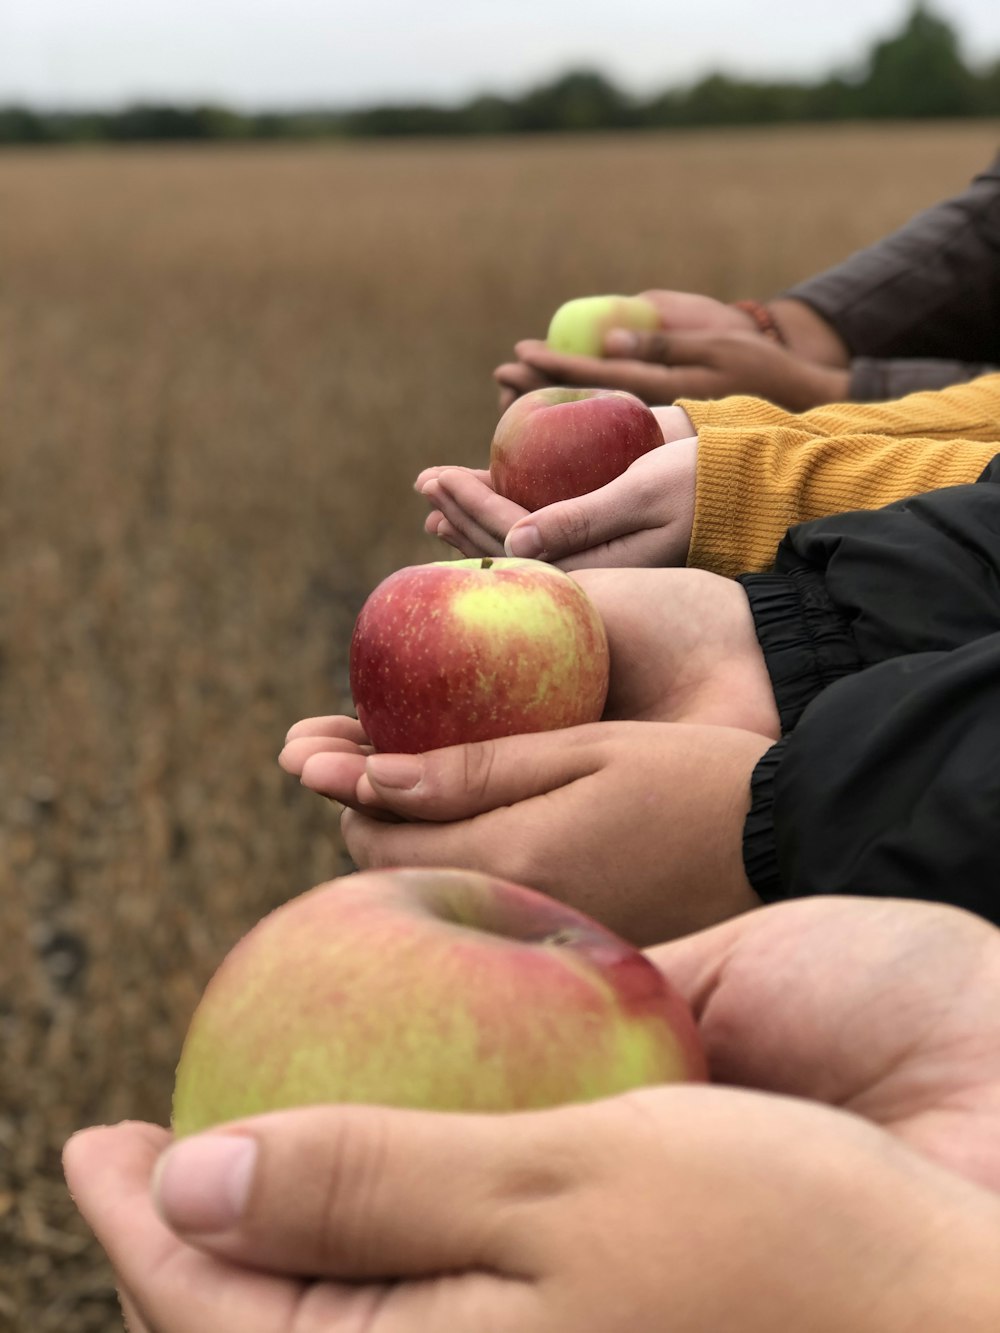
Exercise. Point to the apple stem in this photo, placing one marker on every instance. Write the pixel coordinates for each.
(487, 562)
(565, 935)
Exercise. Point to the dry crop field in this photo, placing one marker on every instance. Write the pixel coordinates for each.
(220, 370)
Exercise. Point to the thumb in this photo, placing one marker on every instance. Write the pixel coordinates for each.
(569, 527)
(652, 501)
(357, 1193)
(461, 781)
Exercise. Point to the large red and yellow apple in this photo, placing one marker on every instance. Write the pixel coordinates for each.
(579, 326)
(440, 989)
(556, 443)
(469, 650)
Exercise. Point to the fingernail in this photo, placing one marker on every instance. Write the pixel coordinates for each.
(524, 543)
(201, 1185)
(622, 342)
(402, 771)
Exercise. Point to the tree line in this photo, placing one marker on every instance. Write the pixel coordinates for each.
(918, 73)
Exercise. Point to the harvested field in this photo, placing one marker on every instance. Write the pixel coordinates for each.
(220, 370)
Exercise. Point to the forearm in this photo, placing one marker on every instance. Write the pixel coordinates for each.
(930, 289)
(807, 333)
(966, 411)
(752, 486)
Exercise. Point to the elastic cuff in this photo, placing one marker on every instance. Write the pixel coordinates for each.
(760, 851)
(806, 642)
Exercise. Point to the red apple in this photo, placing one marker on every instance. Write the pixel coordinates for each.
(441, 989)
(553, 444)
(468, 650)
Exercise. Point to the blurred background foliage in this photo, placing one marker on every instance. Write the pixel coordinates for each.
(918, 73)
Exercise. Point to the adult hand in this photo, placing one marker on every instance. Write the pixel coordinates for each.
(680, 312)
(660, 367)
(704, 349)
(638, 823)
(767, 1208)
(683, 648)
(643, 517)
(884, 1008)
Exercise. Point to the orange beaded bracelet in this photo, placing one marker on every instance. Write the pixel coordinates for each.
(762, 317)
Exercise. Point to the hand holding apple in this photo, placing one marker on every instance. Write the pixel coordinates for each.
(558, 1221)
(555, 444)
(578, 327)
(639, 824)
(468, 650)
(440, 989)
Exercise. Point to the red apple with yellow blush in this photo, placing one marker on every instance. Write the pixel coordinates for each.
(437, 989)
(469, 650)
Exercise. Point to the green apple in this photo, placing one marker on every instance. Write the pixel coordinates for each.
(578, 327)
(436, 989)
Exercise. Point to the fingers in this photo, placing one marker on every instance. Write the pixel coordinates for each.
(473, 509)
(134, 1322)
(360, 1193)
(675, 424)
(656, 491)
(108, 1171)
(432, 473)
(462, 781)
(586, 371)
(322, 735)
(661, 348)
(168, 1286)
(324, 755)
(336, 725)
(296, 753)
(438, 526)
(483, 807)
(572, 526)
(446, 533)
(336, 776)
(516, 378)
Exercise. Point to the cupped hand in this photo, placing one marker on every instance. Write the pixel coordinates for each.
(660, 367)
(704, 1207)
(683, 649)
(884, 1008)
(638, 823)
(680, 312)
(643, 517)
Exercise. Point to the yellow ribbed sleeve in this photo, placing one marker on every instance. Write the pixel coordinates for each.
(761, 469)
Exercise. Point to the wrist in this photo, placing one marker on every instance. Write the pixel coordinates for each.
(762, 320)
(807, 333)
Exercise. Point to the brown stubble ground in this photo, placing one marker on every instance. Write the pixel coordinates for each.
(219, 372)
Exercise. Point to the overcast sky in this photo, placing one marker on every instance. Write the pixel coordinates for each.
(273, 53)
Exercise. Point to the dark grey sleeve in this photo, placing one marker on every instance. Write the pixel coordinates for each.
(874, 381)
(930, 290)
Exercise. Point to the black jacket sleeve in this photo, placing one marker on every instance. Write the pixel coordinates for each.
(888, 786)
(930, 290)
(881, 631)
(855, 589)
